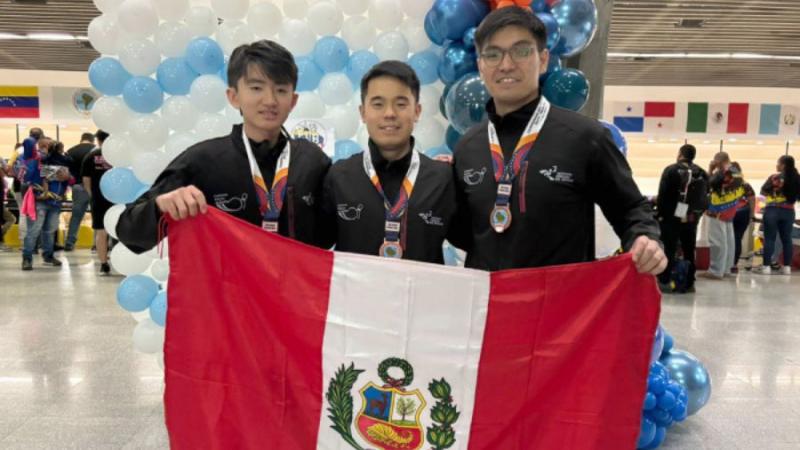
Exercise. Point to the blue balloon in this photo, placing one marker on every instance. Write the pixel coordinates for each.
(659, 416)
(443, 98)
(359, 64)
(668, 342)
(553, 30)
(661, 433)
(120, 185)
(578, 22)
(331, 53)
(345, 149)
(223, 73)
(451, 137)
(650, 401)
(656, 384)
(434, 33)
(457, 61)
(679, 412)
(647, 432)
(469, 37)
(622, 145)
(158, 309)
(658, 345)
(667, 401)
(426, 66)
(108, 76)
(466, 102)
(658, 369)
(450, 255)
(539, 6)
(309, 74)
(454, 17)
(143, 95)
(175, 76)
(687, 370)
(205, 56)
(435, 152)
(567, 88)
(136, 292)
(553, 66)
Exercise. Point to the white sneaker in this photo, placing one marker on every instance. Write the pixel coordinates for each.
(786, 270)
(762, 270)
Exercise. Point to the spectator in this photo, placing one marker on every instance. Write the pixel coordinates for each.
(742, 220)
(80, 198)
(727, 195)
(94, 166)
(781, 190)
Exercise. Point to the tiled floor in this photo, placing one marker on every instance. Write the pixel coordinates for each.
(69, 377)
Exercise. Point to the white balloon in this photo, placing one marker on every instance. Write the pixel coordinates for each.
(391, 45)
(148, 166)
(148, 337)
(233, 115)
(179, 113)
(160, 359)
(177, 143)
(172, 9)
(140, 57)
(362, 137)
(118, 151)
(309, 106)
(231, 9)
(201, 21)
(160, 270)
(111, 218)
(335, 89)
(208, 93)
(111, 114)
(429, 97)
(104, 34)
(325, 18)
(210, 126)
(232, 34)
(126, 262)
(358, 32)
(141, 315)
(265, 20)
(138, 17)
(344, 119)
(385, 14)
(107, 5)
(148, 132)
(353, 7)
(417, 9)
(297, 36)
(172, 38)
(295, 9)
(429, 133)
(415, 35)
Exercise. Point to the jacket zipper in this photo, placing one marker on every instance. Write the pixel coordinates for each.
(290, 195)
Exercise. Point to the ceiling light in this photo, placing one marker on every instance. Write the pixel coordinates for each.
(11, 36)
(50, 37)
(686, 55)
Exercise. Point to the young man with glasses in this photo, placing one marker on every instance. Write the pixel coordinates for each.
(528, 178)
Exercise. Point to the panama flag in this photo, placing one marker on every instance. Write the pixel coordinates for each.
(629, 116)
(659, 117)
(274, 344)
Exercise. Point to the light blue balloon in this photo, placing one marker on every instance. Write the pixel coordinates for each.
(309, 74)
(450, 255)
(457, 61)
(223, 73)
(345, 149)
(622, 145)
(158, 309)
(426, 66)
(205, 56)
(553, 30)
(331, 54)
(567, 88)
(466, 102)
(359, 64)
(687, 370)
(108, 76)
(120, 185)
(577, 20)
(175, 76)
(143, 95)
(136, 292)
(441, 150)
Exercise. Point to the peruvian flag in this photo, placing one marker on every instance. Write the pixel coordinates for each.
(274, 344)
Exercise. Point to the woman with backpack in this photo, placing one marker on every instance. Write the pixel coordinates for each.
(781, 190)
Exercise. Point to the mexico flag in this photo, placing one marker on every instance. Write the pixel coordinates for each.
(271, 344)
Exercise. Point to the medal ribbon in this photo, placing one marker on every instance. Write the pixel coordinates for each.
(394, 211)
(270, 201)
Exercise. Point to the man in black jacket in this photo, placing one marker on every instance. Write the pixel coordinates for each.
(390, 200)
(528, 178)
(682, 195)
(257, 173)
(80, 198)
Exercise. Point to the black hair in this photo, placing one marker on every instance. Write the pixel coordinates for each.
(511, 16)
(270, 57)
(688, 152)
(87, 137)
(101, 136)
(36, 133)
(791, 179)
(400, 71)
(56, 147)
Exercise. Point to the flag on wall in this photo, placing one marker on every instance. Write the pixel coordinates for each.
(629, 117)
(19, 102)
(769, 119)
(275, 344)
(737, 118)
(789, 124)
(659, 117)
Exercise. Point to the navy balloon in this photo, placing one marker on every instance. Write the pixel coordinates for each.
(175, 76)
(136, 292)
(434, 33)
(622, 145)
(359, 64)
(158, 309)
(578, 22)
(345, 149)
(108, 76)
(309, 74)
(457, 61)
(466, 102)
(539, 6)
(331, 53)
(426, 66)
(687, 370)
(647, 432)
(454, 17)
(205, 56)
(143, 95)
(553, 66)
(567, 88)
(451, 137)
(120, 185)
(552, 27)
(469, 37)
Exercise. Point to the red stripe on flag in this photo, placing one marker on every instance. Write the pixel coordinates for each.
(21, 113)
(565, 365)
(243, 347)
(737, 117)
(659, 109)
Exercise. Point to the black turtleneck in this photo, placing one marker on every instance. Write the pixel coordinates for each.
(510, 127)
(390, 173)
(267, 157)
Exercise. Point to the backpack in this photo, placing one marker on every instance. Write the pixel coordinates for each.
(697, 195)
(680, 276)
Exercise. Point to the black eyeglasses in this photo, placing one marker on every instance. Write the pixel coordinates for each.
(494, 56)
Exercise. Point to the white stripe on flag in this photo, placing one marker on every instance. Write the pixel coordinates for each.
(717, 118)
(628, 109)
(433, 317)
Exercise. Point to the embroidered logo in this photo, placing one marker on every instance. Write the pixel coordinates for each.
(553, 174)
(350, 213)
(308, 199)
(430, 219)
(474, 177)
(230, 204)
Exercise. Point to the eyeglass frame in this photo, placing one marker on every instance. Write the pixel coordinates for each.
(532, 48)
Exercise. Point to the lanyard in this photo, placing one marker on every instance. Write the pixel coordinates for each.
(505, 173)
(391, 247)
(270, 201)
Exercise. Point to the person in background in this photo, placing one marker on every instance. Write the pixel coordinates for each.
(80, 198)
(743, 219)
(727, 196)
(781, 190)
(92, 170)
(7, 219)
